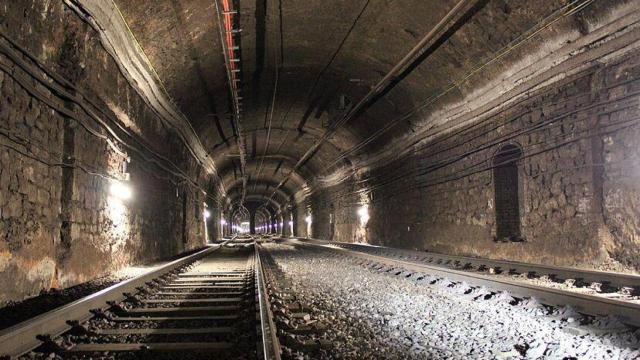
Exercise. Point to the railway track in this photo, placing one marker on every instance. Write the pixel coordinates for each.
(207, 305)
(627, 285)
(609, 293)
(215, 303)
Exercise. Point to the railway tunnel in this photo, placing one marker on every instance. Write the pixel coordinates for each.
(496, 138)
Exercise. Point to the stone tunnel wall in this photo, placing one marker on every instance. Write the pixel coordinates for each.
(451, 208)
(334, 214)
(617, 148)
(58, 224)
(579, 179)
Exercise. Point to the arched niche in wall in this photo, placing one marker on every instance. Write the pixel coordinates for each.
(506, 192)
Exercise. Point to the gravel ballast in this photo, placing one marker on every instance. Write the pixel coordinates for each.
(16, 312)
(381, 315)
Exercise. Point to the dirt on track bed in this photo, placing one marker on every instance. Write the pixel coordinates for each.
(374, 315)
(16, 312)
(228, 333)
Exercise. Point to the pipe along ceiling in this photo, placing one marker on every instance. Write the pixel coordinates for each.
(288, 98)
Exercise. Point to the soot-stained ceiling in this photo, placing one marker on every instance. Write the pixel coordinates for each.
(305, 64)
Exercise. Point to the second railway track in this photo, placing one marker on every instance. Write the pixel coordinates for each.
(482, 272)
(214, 304)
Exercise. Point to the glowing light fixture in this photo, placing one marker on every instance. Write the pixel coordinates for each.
(223, 222)
(206, 213)
(363, 214)
(290, 223)
(120, 190)
(308, 219)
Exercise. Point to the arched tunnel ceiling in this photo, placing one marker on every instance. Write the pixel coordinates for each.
(305, 62)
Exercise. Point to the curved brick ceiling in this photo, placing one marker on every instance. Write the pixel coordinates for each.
(322, 53)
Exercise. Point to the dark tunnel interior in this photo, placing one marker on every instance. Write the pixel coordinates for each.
(132, 131)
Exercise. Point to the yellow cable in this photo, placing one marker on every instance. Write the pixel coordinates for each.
(141, 49)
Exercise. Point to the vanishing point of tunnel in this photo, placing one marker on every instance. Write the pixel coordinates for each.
(374, 179)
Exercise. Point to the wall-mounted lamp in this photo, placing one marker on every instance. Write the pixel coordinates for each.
(120, 190)
(363, 214)
(206, 214)
(223, 222)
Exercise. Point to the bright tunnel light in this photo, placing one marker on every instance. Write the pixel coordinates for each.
(308, 219)
(206, 213)
(120, 190)
(223, 222)
(363, 214)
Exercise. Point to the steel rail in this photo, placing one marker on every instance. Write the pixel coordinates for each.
(629, 313)
(614, 279)
(21, 338)
(270, 343)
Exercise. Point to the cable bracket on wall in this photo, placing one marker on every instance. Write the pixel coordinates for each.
(229, 36)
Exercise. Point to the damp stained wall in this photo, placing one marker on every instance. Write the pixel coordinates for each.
(59, 226)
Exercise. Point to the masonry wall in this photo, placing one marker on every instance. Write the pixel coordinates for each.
(579, 180)
(617, 148)
(59, 225)
(451, 207)
(334, 214)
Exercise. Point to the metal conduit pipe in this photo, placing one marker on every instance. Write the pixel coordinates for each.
(407, 60)
(388, 80)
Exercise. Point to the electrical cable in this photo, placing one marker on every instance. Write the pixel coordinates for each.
(66, 96)
(549, 20)
(226, 38)
(462, 174)
(519, 131)
(60, 92)
(332, 58)
(77, 164)
(323, 70)
(277, 65)
(389, 80)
